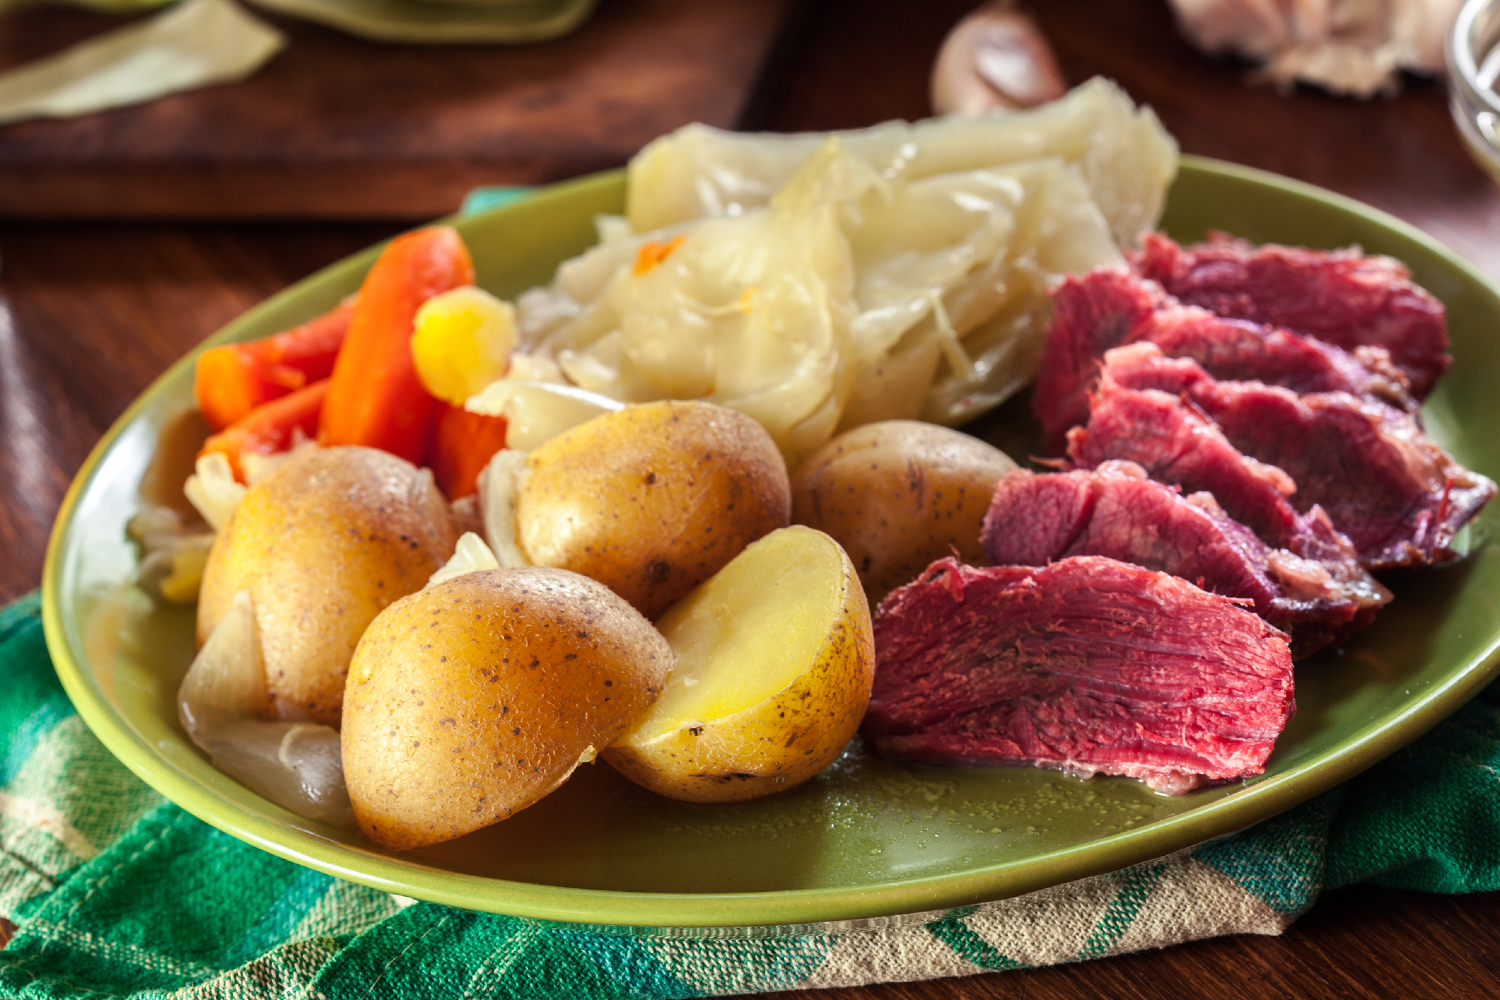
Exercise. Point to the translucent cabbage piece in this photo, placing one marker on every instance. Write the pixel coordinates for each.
(821, 282)
(953, 277)
(213, 490)
(750, 311)
(470, 556)
(297, 765)
(497, 503)
(536, 412)
(1126, 157)
(173, 553)
(1001, 312)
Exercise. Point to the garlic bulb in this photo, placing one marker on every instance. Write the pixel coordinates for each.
(1354, 47)
(995, 58)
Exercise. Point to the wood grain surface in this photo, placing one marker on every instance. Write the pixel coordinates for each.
(90, 313)
(335, 127)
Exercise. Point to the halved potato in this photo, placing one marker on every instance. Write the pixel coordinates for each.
(653, 499)
(898, 494)
(775, 659)
(474, 698)
(323, 544)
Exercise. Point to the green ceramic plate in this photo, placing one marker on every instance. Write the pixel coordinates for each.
(866, 838)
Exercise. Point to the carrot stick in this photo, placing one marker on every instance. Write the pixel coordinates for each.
(270, 427)
(375, 397)
(233, 379)
(463, 445)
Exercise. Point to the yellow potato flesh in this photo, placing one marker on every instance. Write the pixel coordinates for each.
(774, 664)
(748, 633)
(474, 698)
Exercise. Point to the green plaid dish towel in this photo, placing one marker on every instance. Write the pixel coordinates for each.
(116, 892)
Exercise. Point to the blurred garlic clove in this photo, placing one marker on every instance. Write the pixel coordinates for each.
(1249, 27)
(995, 58)
(1425, 26)
(1353, 47)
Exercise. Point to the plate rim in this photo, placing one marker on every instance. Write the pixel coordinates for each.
(755, 912)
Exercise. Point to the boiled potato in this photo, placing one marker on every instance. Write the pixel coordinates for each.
(479, 695)
(653, 499)
(323, 544)
(897, 495)
(775, 659)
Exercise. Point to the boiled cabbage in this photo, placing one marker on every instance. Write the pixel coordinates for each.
(1125, 155)
(297, 765)
(749, 311)
(817, 282)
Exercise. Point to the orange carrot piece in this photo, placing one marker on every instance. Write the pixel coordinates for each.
(376, 398)
(233, 379)
(270, 427)
(462, 447)
(653, 253)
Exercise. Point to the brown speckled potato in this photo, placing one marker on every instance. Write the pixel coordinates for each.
(896, 495)
(653, 499)
(323, 544)
(474, 698)
(775, 658)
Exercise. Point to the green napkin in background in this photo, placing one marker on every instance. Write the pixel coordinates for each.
(116, 892)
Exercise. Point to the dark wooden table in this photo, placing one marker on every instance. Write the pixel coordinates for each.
(91, 313)
(336, 127)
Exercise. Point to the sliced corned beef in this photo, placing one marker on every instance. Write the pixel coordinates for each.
(1089, 665)
(1116, 511)
(1385, 484)
(1111, 307)
(1177, 444)
(1340, 296)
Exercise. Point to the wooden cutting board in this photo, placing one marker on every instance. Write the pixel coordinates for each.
(339, 127)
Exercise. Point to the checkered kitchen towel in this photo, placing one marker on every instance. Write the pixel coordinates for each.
(116, 892)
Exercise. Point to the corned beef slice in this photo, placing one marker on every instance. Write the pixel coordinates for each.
(1340, 296)
(1109, 308)
(1178, 445)
(1089, 665)
(1116, 511)
(1397, 496)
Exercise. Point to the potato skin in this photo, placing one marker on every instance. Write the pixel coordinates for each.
(898, 494)
(781, 742)
(472, 699)
(323, 544)
(653, 499)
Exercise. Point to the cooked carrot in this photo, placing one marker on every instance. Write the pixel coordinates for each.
(271, 427)
(463, 445)
(233, 379)
(653, 253)
(375, 397)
